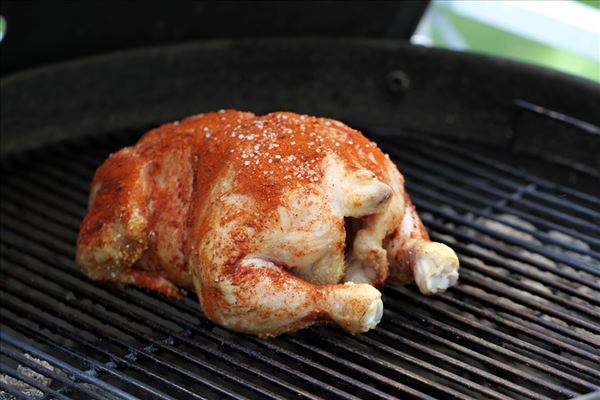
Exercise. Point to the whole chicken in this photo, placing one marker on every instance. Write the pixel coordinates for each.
(277, 222)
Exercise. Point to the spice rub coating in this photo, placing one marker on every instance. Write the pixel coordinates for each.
(277, 222)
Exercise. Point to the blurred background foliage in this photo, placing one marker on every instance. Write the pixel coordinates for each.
(560, 34)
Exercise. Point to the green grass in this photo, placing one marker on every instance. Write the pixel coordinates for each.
(2, 26)
(483, 38)
(592, 3)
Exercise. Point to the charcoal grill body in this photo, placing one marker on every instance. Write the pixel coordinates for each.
(501, 159)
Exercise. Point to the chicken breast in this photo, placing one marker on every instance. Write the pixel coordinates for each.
(277, 222)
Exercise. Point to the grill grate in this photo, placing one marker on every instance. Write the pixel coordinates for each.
(523, 323)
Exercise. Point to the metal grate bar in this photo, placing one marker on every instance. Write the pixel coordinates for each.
(17, 394)
(120, 361)
(530, 342)
(282, 383)
(427, 174)
(465, 368)
(345, 395)
(514, 323)
(28, 192)
(296, 355)
(529, 362)
(437, 307)
(440, 233)
(515, 373)
(351, 366)
(95, 349)
(424, 171)
(280, 350)
(366, 357)
(101, 316)
(544, 236)
(583, 340)
(79, 375)
(502, 167)
(468, 198)
(388, 137)
(526, 288)
(526, 259)
(554, 298)
(30, 381)
(437, 387)
(445, 159)
(116, 360)
(593, 270)
(588, 267)
(382, 379)
(478, 280)
(448, 165)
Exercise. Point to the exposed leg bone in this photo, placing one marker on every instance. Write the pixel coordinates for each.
(256, 296)
(413, 257)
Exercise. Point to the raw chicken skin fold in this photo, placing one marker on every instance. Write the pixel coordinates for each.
(277, 222)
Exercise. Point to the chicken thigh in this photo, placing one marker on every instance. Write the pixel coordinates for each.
(277, 222)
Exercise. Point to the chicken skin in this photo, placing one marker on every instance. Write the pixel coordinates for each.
(277, 222)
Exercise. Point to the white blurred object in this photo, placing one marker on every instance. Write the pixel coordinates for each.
(565, 24)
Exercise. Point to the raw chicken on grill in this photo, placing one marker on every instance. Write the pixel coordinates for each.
(277, 222)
